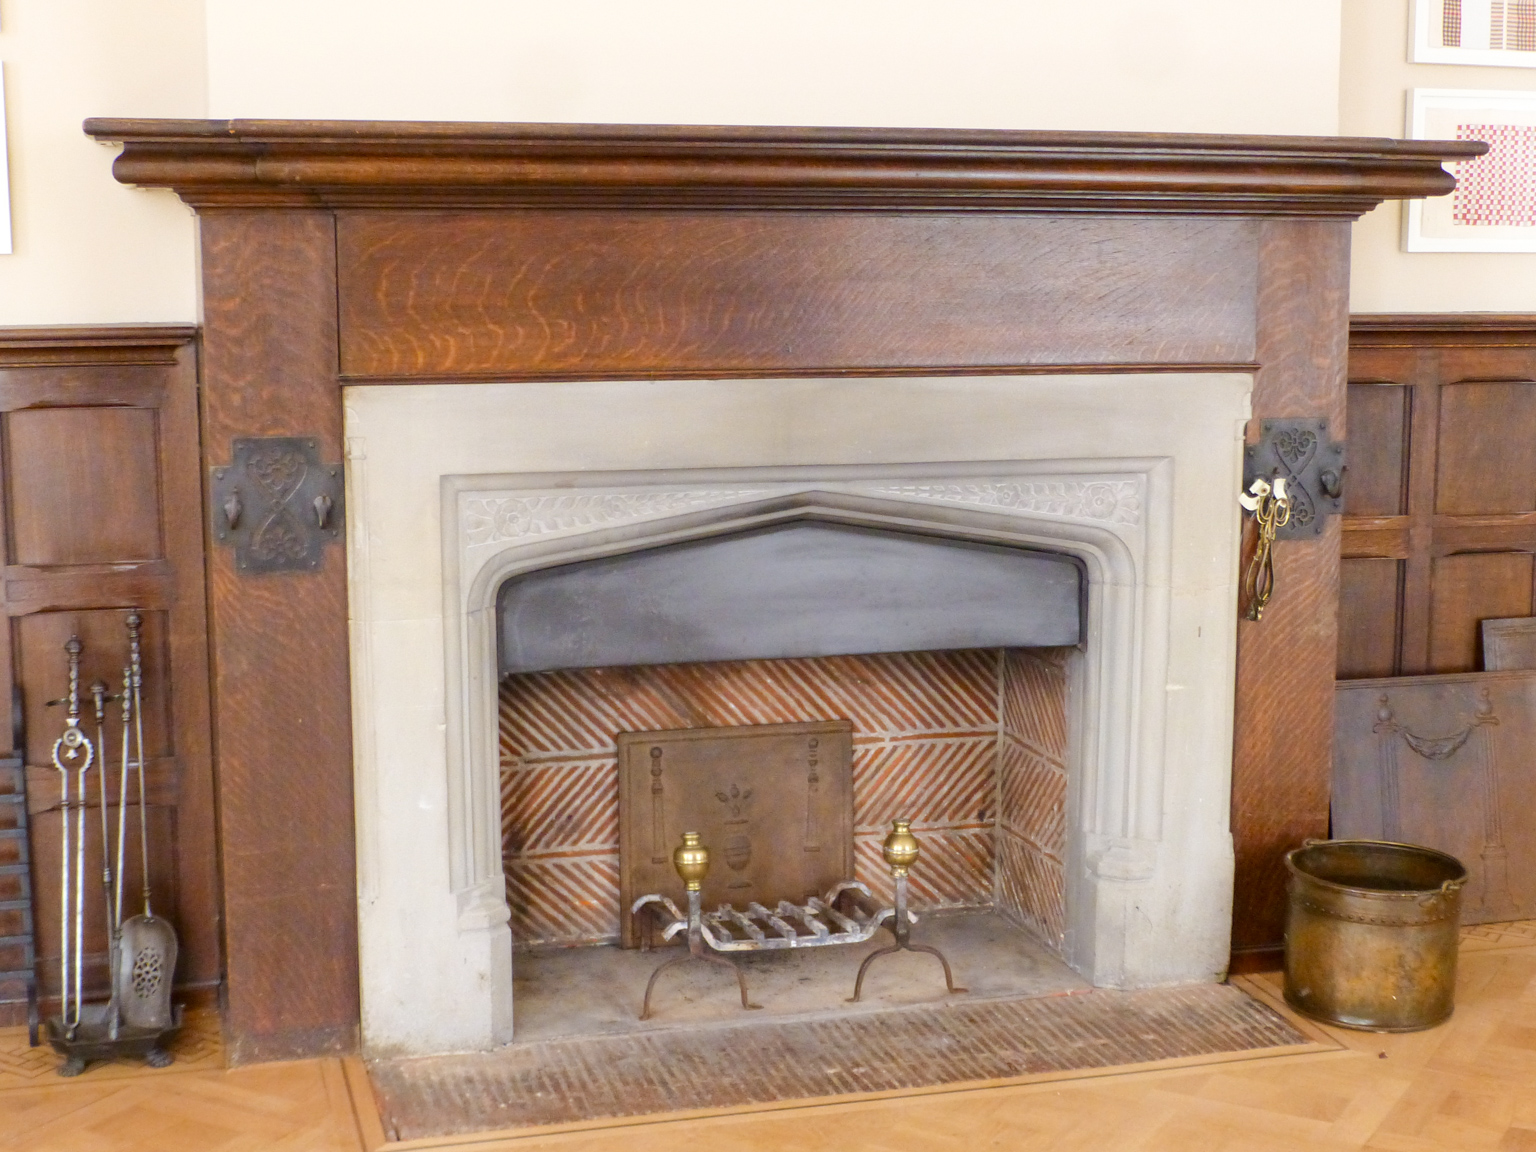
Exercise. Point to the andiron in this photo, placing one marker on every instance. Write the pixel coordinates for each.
(901, 850)
(691, 860)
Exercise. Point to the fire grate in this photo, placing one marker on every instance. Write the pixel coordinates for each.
(679, 1070)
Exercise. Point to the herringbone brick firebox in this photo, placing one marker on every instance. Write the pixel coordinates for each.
(971, 745)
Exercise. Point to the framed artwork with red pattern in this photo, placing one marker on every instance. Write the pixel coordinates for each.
(1497, 33)
(1493, 208)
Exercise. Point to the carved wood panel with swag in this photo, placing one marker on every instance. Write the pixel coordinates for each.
(1445, 761)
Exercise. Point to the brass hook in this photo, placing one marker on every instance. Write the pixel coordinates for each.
(1270, 506)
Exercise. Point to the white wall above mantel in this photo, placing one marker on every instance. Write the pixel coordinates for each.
(451, 488)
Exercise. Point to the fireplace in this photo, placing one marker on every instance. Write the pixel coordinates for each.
(782, 686)
(514, 479)
(1043, 341)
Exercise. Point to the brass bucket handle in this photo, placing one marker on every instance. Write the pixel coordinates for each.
(1450, 887)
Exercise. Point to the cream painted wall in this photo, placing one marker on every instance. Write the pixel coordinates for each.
(86, 249)
(1191, 66)
(1376, 78)
(90, 251)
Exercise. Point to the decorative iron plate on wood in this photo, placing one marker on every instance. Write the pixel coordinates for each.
(1299, 451)
(276, 504)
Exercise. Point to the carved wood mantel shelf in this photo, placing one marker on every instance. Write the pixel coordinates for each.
(358, 164)
(336, 253)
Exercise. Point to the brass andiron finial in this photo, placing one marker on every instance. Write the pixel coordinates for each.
(901, 851)
(691, 860)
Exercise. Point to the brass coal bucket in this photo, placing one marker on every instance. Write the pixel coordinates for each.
(1371, 932)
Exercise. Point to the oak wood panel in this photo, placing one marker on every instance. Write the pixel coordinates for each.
(79, 499)
(1485, 463)
(309, 163)
(594, 294)
(280, 655)
(1468, 589)
(1384, 537)
(1378, 450)
(1285, 663)
(1368, 632)
(60, 384)
(1468, 531)
(100, 454)
(1451, 538)
(1442, 330)
(148, 584)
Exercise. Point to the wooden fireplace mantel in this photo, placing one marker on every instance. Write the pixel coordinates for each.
(361, 164)
(338, 253)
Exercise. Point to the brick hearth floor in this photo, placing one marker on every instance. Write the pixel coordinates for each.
(1469, 1084)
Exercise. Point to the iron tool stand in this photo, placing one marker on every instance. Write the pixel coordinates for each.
(901, 851)
(124, 1025)
(691, 859)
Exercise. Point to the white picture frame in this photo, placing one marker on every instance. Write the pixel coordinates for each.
(1494, 206)
(1491, 33)
(5, 176)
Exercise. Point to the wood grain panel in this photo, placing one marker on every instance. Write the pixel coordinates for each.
(1285, 663)
(81, 497)
(313, 163)
(1370, 592)
(1469, 589)
(1378, 450)
(1485, 462)
(1470, 475)
(39, 654)
(279, 644)
(435, 295)
(101, 464)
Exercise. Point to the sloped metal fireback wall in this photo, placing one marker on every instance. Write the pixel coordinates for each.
(803, 589)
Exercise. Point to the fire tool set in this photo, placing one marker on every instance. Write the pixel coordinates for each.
(138, 1016)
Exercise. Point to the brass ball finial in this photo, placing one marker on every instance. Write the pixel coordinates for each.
(691, 859)
(900, 848)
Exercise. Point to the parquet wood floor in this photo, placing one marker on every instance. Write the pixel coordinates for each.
(1465, 1086)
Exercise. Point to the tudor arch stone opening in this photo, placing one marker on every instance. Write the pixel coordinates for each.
(1137, 508)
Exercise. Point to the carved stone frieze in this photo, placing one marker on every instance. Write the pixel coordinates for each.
(1112, 501)
(493, 519)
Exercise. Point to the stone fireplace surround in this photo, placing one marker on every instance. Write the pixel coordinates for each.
(1133, 474)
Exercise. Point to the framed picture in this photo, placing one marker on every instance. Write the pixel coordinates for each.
(1501, 33)
(5, 177)
(1493, 208)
